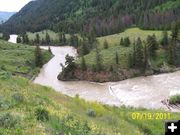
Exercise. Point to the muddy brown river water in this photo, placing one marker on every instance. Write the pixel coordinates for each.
(146, 92)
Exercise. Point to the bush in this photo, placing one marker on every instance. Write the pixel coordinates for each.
(71, 125)
(175, 99)
(18, 97)
(91, 113)
(42, 114)
(8, 121)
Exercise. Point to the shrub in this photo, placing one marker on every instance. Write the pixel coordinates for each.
(91, 113)
(71, 125)
(175, 99)
(8, 121)
(42, 114)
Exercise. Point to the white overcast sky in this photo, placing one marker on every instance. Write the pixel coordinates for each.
(12, 5)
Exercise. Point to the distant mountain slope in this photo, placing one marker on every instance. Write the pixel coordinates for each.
(4, 16)
(101, 17)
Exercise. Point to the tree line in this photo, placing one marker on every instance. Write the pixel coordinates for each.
(101, 17)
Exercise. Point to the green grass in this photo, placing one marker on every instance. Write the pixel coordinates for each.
(19, 59)
(108, 55)
(132, 33)
(42, 34)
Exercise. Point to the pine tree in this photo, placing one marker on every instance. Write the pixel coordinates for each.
(18, 40)
(99, 66)
(130, 61)
(38, 57)
(106, 45)
(152, 45)
(84, 49)
(117, 58)
(25, 39)
(139, 53)
(173, 51)
(164, 41)
(37, 40)
(60, 38)
(172, 45)
(126, 42)
(122, 42)
(83, 64)
(48, 40)
(64, 38)
(49, 49)
(145, 57)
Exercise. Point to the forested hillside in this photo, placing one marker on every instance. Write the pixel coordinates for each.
(101, 17)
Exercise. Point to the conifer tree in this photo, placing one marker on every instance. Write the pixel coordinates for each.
(84, 49)
(172, 57)
(99, 66)
(38, 57)
(106, 46)
(152, 45)
(18, 40)
(49, 49)
(83, 64)
(25, 38)
(60, 38)
(139, 53)
(122, 42)
(145, 57)
(37, 40)
(48, 40)
(126, 42)
(117, 58)
(164, 41)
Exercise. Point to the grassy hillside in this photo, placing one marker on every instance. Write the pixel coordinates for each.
(108, 55)
(42, 34)
(26, 108)
(19, 59)
(132, 33)
(20, 99)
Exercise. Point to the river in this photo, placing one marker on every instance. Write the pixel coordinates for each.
(147, 92)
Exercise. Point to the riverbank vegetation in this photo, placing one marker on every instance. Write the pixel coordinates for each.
(132, 53)
(175, 99)
(20, 59)
(27, 108)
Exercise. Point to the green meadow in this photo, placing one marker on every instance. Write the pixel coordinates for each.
(42, 34)
(109, 55)
(132, 33)
(19, 59)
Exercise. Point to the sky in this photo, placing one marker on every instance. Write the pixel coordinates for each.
(12, 5)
